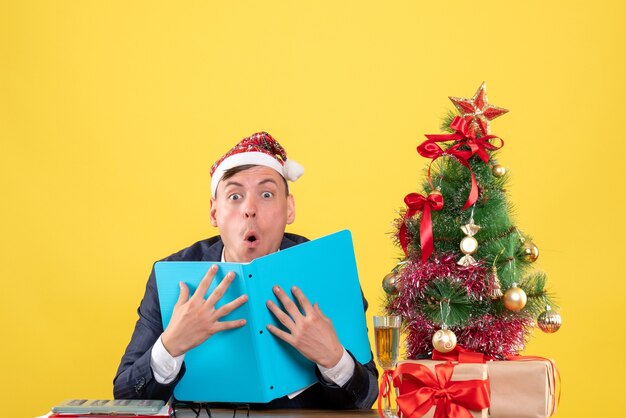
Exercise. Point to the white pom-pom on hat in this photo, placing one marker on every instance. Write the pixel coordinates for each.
(292, 170)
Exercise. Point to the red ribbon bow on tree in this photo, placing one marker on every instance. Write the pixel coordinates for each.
(415, 203)
(421, 390)
(465, 138)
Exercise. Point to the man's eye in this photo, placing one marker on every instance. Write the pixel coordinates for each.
(234, 196)
(267, 195)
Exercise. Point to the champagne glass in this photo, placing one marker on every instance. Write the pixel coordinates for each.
(387, 336)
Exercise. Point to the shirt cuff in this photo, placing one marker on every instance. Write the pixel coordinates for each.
(341, 372)
(164, 367)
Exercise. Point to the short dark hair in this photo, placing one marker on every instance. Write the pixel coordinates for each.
(238, 169)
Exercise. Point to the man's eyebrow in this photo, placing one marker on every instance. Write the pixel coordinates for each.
(232, 183)
(268, 180)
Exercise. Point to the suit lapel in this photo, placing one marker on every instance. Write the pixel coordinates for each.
(214, 252)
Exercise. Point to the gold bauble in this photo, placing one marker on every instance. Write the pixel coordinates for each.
(468, 245)
(435, 192)
(444, 340)
(514, 298)
(549, 321)
(498, 170)
(389, 283)
(530, 252)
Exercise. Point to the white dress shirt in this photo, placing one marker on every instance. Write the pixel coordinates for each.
(166, 368)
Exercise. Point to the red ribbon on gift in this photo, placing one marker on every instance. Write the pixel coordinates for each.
(421, 390)
(415, 203)
(464, 137)
(462, 355)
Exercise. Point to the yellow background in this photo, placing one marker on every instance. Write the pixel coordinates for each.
(111, 113)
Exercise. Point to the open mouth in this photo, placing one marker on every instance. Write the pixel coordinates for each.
(251, 237)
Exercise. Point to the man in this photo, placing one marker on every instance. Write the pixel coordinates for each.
(251, 206)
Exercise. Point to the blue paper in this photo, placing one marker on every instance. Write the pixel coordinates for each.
(249, 364)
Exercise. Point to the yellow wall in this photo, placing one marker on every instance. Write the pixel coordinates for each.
(111, 113)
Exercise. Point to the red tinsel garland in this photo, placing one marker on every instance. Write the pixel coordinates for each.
(494, 336)
(417, 276)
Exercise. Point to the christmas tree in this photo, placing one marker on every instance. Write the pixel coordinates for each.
(467, 276)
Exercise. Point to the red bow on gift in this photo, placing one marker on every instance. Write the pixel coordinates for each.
(415, 203)
(464, 137)
(421, 390)
(462, 355)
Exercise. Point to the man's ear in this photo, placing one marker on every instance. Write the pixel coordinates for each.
(291, 210)
(213, 212)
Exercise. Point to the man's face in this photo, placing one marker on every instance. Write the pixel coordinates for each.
(251, 210)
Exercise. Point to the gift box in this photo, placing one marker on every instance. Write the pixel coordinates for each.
(426, 385)
(522, 388)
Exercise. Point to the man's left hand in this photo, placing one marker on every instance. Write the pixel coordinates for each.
(311, 333)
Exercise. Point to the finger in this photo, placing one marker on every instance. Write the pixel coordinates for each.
(219, 291)
(288, 304)
(223, 326)
(205, 283)
(184, 294)
(302, 300)
(317, 310)
(282, 317)
(285, 336)
(231, 306)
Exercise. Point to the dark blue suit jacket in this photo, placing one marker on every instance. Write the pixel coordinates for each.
(134, 378)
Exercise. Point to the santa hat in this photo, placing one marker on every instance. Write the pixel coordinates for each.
(257, 149)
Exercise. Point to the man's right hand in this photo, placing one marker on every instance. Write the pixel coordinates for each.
(194, 319)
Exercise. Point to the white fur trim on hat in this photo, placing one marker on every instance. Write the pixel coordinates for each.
(291, 171)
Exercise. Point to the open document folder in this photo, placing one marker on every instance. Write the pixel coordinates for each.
(249, 364)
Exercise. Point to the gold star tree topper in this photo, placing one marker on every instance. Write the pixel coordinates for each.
(477, 111)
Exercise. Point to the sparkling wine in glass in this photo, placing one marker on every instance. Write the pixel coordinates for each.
(387, 336)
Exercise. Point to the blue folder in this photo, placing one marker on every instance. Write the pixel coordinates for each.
(249, 364)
